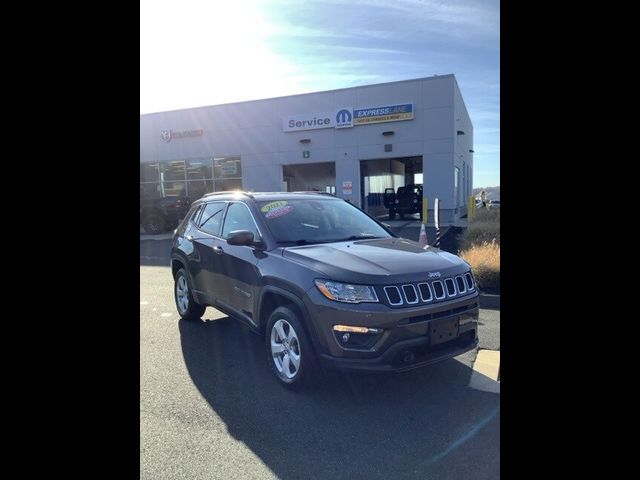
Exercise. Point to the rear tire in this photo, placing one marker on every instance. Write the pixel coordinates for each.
(289, 351)
(392, 214)
(154, 223)
(187, 307)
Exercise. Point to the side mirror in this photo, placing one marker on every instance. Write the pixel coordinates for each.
(241, 237)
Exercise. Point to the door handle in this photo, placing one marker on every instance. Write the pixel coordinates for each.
(189, 237)
(218, 250)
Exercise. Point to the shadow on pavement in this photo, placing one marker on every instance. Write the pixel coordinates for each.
(362, 426)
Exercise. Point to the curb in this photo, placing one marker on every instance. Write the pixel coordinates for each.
(486, 371)
(489, 301)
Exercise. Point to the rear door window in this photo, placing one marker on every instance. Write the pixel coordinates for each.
(194, 215)
(211, 218)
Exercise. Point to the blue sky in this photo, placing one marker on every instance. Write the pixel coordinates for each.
(195, 53)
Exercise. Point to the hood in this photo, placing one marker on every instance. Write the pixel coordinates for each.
(376, 261)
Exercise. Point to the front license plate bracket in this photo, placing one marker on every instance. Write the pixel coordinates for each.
(444, 330)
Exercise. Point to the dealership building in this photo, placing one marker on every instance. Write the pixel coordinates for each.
(353, 142)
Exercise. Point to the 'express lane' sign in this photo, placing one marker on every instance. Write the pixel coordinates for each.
(348, 117)
(390, 113)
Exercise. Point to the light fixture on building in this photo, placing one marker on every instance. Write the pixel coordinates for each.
(305, 140)
(471, 150)
(388, 133)
(460, 132)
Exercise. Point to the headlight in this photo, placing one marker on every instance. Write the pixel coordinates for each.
(345, 292)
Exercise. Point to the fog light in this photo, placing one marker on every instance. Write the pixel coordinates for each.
(349, 328)
(359, 338)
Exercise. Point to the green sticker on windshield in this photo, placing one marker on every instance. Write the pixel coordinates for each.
(273, 205)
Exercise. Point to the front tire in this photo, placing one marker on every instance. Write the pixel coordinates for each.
(392, 214)
(289, 352)
(187, 307)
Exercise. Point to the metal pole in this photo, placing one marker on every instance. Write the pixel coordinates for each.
(436, 217)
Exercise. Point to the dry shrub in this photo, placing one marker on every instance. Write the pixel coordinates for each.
(484, 228)
(485, 264)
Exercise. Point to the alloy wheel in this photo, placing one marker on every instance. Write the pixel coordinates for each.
(182, 293)
(285, 349)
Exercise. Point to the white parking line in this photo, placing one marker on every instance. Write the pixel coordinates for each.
(144, 303)
(485, 371)
(165, 314)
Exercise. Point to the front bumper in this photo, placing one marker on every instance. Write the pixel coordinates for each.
(402, 356)
(405, 342)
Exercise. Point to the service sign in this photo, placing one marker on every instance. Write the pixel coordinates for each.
(347, 117)
(310, 121)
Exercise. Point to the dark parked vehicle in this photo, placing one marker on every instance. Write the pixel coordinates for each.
(161, 214)
(407, 200)
(323, 283)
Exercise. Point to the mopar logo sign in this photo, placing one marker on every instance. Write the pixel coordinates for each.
(344, 118)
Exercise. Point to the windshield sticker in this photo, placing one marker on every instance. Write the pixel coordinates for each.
(278, 212)
(273, 205)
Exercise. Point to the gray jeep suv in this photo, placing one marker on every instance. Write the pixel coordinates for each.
(323, 283)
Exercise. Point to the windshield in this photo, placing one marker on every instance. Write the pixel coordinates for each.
(305, 221)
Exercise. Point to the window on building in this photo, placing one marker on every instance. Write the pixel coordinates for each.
(464, 183)
(149, 181)
(199, 173)
(192, 177)
(227, 173)
(456, 187)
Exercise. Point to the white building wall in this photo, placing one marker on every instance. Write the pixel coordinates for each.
(254, 131)
(463, 158)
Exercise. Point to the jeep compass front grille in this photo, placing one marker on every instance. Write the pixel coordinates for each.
(410, 294)
(393, 295)
(469, 280)
(438, 289)
(427, 292)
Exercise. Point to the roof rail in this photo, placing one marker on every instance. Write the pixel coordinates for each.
(228, 192)
(316, 192)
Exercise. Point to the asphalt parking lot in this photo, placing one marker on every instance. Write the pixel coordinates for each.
(209, 407)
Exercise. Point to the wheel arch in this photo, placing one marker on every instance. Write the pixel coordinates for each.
(178, 262)
(273, 297)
